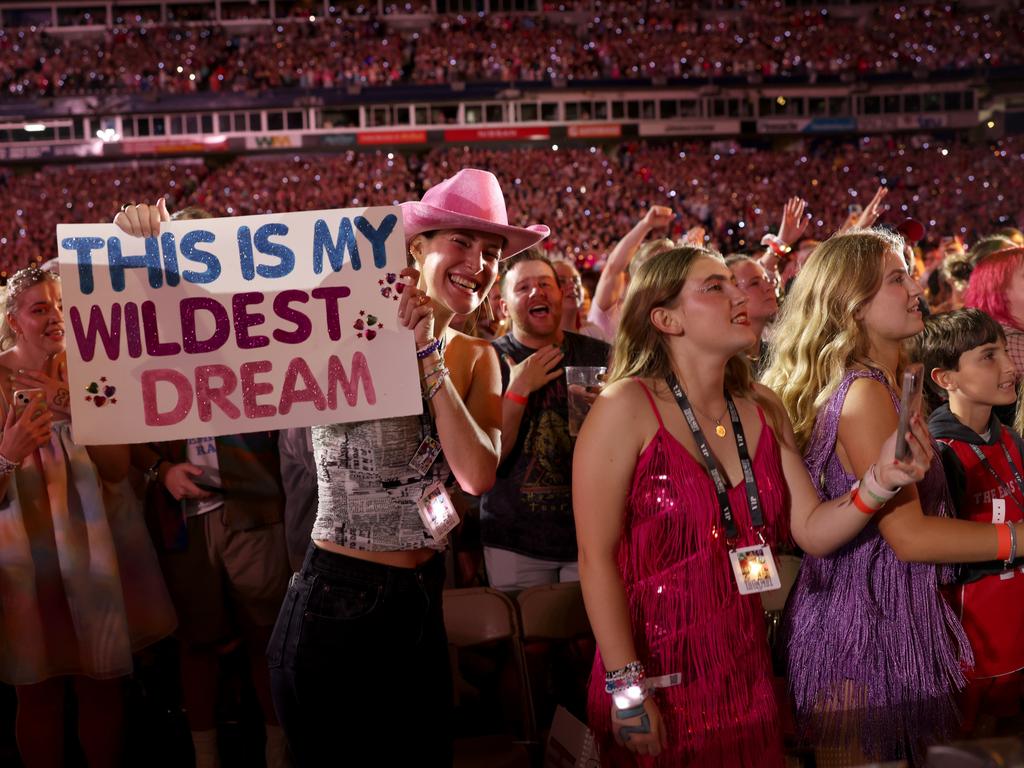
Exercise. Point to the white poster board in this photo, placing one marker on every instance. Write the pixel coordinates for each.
(225, 326)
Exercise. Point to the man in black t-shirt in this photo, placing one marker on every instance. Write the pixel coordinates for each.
(526, 519)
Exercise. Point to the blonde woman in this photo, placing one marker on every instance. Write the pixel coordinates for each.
(682, 464)
(875, 653)
(79, 582)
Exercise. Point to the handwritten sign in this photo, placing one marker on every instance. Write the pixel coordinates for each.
(223, 326)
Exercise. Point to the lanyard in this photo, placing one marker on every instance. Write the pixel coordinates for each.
(715, 470)
(1013, 468)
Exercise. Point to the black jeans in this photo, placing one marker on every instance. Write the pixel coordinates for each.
(359, 664)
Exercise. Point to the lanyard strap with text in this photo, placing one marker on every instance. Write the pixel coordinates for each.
(1013, 468)
(717, 475)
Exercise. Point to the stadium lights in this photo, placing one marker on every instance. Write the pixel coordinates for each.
(108, 135)
(34, 127)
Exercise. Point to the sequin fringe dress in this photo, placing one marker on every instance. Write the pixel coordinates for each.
(876, 655)
(688, 615)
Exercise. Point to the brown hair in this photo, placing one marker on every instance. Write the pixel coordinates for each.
(640, 349)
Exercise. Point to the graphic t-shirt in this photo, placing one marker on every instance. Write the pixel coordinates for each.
(529, 509)
(202, 451)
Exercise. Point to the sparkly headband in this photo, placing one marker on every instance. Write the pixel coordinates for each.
(24, 279)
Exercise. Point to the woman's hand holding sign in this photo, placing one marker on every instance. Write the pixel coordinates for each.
(143, 220)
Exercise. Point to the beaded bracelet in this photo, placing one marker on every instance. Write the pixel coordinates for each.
(620, 679)
(436, 386)
(428, 349)
(432, 381)
(435, 370)
(7, 466)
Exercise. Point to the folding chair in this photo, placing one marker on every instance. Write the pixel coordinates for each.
(483, 625)
(559, 649)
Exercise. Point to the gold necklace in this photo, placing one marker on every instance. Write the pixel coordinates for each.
(719, 426)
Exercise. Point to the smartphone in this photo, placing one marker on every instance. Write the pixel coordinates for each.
(910, 405)
(23, 397)
(205, 483)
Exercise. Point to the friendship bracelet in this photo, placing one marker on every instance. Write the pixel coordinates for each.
(1005, 538)
(517, 399)
(621, 679)
(436, 387)
(428, 349)
(440, 374)
(435, 370)
(7, 466)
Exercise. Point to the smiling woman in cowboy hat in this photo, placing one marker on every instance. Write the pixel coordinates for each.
(359, 656)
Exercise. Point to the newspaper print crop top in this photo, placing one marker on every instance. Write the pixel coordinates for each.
(367, 490)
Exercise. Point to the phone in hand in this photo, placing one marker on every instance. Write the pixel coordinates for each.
(910, 406)
(24, 397)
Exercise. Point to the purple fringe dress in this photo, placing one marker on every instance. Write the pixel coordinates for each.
(876, 655)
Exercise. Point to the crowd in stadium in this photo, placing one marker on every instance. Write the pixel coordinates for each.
(588, 194)
(744, 414)
(620, 41)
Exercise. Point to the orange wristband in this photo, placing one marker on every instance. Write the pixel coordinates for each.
(520, 400)
(1005, 542)
(859, 503)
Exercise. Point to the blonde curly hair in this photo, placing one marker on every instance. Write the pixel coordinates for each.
(818, 336)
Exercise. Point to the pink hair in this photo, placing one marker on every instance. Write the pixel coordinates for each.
(990, 281)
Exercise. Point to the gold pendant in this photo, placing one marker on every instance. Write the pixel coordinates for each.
(720, 430)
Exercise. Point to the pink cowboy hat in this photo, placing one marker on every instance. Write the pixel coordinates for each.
(471, 200)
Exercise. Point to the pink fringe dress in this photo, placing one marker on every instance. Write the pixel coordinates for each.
(688, 615)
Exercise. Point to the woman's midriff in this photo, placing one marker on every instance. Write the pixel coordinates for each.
(412, 558)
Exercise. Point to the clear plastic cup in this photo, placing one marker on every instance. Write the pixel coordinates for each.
(584, 384)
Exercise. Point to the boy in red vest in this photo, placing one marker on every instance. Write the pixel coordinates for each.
(966, 365)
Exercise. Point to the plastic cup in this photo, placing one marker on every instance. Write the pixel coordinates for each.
(584, 384)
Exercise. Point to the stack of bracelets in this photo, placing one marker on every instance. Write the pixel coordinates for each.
(6, 465)
(869, 495)
(627, 686)
(434, 378)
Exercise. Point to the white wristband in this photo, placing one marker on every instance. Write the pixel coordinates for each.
(875, 491)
